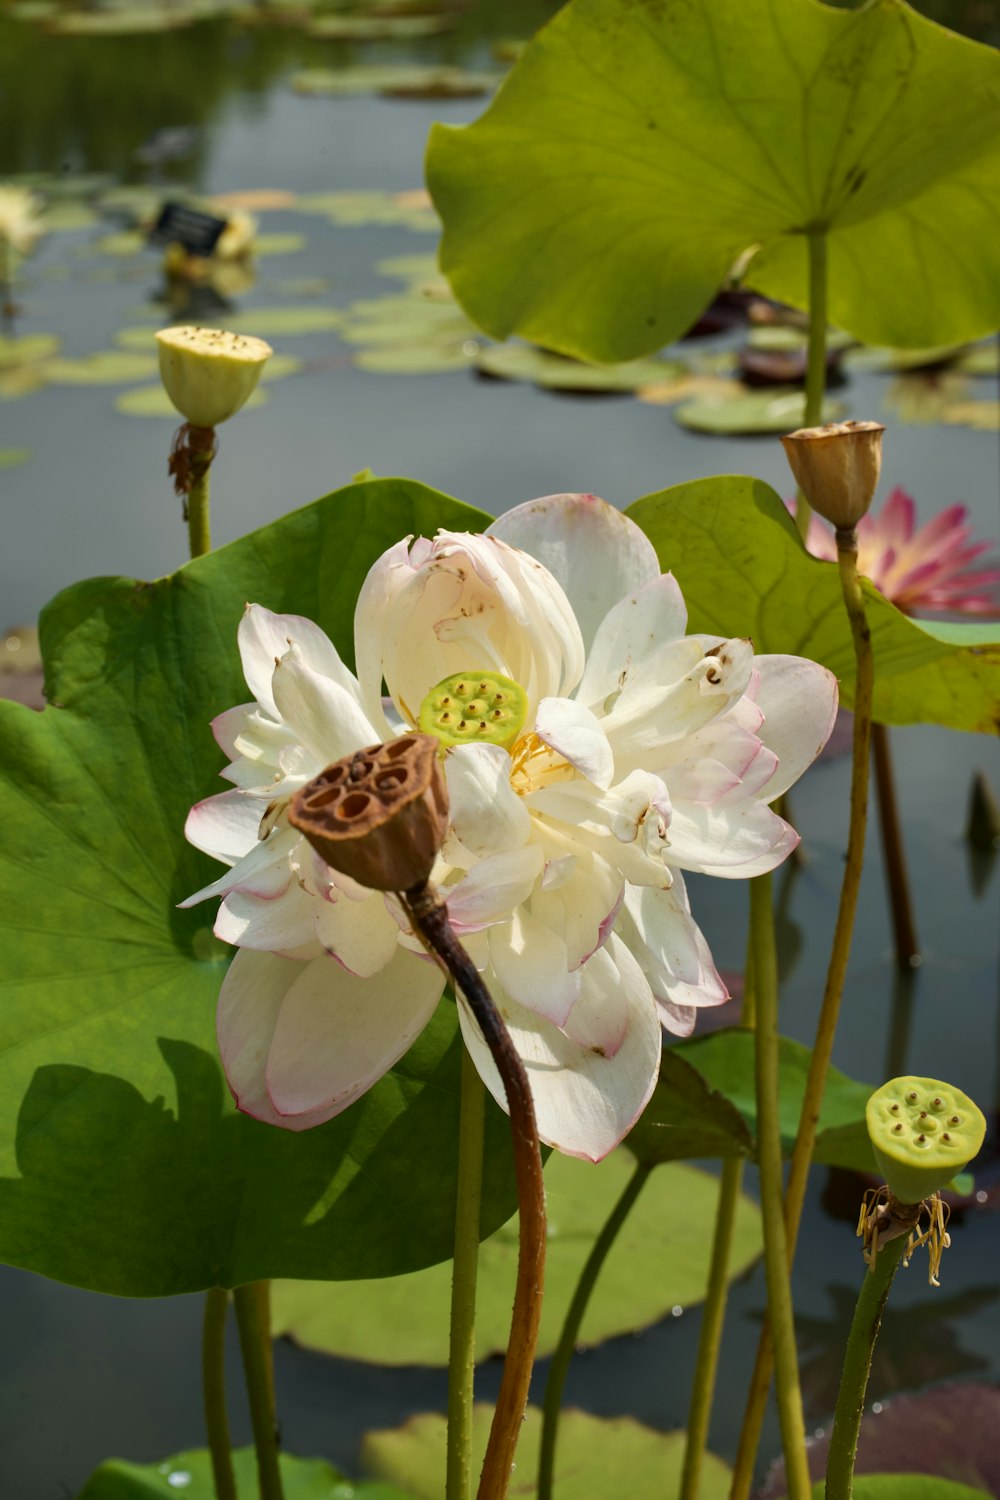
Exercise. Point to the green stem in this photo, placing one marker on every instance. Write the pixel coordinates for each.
(857, 1367)
(462, 1348)
(710, 1338)
(213, 1369)
(199, 532)
(897, 878)
(816, 356)
(714, 1314)
(255, 1343)
(819, 1063)
(776, 1258)
(571, 1326)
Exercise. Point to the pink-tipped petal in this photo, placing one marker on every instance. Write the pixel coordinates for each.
(631, 633)
(224, 826)
(576, 734)
(799, 702)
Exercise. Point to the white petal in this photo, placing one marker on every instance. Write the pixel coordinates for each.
(596, 554)
(494, 887)
(325, 716)
(275, 924)
(361, 935)
(635, 629)
(732, 840)
(799, 702)
(599, 1020)
(585, 1103)
(227, 726)
(577, 735)
(682, 690)
(224, 826)
(582, 910)
(658, 928)
(486, 813)
(262, 872)
(264, 638)
(249, 1002)
(531, 964)
(337, 1034)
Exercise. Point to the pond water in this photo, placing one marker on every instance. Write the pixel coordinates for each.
(85, 1376)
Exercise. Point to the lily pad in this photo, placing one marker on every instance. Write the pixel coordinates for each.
(27, 350)
(659, 1262)
(379, 28)
(555, 372)
(409, 210)
(190, 1474)
(263, 322)
(10, 458)
(278, 244)
(594, 1457)
(744, 572)
(689, 387)
(69, 217)
(108, 992)
(396, 81)
(411, 359)
(755, 412)
(896, 361)
(636, 152)
(117, 22)
(107, 367)
(124, 242)
(153, 401)
(984, 359)
(981, 416)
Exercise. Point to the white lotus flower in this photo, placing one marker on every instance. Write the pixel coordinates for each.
(20, 218)
(642, 753)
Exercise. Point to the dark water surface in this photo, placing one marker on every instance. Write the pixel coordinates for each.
(84, 1376)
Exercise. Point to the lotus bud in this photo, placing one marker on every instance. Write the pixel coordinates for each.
(837, 468)
(923, 1132)
(209, 374)
(379, 815)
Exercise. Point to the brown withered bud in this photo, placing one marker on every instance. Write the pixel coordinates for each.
(837, 468)
(379, 815)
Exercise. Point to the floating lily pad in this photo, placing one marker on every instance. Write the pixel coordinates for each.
(753, 412)
(983, 359)
(922, 397)
(594, 1457)
(659, 1261)
(379, 28)
(190, 1474)
(255, 200)
(108, 367)
(20, 380)
(118, 22)
(64, 218)
(10, 458)
(27, 350)
(132, 201)
(409, 267)
(894, 361)
(153, 401)
(125, 242)
(278, 244)
(395, 80)
(554, 372)
(982, 416)
(409, 210)
(688, 387)
(410, 359)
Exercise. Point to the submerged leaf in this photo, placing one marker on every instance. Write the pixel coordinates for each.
(594, 1457)
(659, 1261)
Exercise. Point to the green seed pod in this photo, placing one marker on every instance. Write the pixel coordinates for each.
(923, 1132)
(208, 373)
(475, 706)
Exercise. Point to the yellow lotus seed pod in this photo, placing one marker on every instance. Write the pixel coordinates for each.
(922, 1132)
(470, 706)
(209, 374)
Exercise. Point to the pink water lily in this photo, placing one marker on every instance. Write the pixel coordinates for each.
(643, 753)
(918, 567)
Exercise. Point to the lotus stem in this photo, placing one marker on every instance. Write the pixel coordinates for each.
(430, 922)
(255, 1344)
(830, 1010)
(816, 354)
(563, 1355)
(201, 450)
(857, 1368)
(897, 876)
(776, 1258)
(213, 1369)
(462, 1345)
(714, 1312)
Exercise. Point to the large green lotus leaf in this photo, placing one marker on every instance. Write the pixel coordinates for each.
(659, 1261)
(123, 1164)
(637, 150)
(725, 1060)
(595, 1457)
(190, 1474)
(905, 1487)
(744, 572)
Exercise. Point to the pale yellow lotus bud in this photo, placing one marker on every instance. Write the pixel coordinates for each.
(209, 374)
(837, 468)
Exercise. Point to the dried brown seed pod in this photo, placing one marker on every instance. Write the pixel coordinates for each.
(379, 815)
(837, 468)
